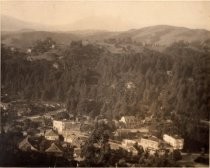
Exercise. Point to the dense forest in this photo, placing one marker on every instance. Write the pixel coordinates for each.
(171, 84)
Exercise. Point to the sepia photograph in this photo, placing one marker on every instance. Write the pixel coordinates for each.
(110, 83)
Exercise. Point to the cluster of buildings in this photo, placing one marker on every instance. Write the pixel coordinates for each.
(56, 141)
(152, 144)
(68, 132)
(38, 144)
(64, 125)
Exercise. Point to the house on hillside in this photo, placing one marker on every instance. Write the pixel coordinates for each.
(175, 141)
(51, 135)
(130, 121)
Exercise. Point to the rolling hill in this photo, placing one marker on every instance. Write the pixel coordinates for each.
(27, 39)
(165, 35)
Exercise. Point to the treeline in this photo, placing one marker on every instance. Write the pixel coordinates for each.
(172, 84)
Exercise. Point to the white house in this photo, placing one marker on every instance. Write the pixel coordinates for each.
(58, 126)
(175, 141)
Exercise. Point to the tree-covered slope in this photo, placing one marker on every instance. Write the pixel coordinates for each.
(124, 83)
(172, 84)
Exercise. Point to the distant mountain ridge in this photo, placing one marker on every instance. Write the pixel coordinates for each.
(21, 33)
(9, 23)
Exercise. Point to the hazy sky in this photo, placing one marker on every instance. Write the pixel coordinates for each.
(129, 14)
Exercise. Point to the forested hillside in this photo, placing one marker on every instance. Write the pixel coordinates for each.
(172, 84)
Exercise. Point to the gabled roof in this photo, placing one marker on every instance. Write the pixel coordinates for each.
(50, 133)
(54, 148)
(25, 143)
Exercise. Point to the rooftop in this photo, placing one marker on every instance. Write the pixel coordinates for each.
(174, 136)
(50, 133)
(152, 138)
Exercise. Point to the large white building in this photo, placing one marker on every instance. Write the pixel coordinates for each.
(62, 125)
(150, 143)
(175, 141)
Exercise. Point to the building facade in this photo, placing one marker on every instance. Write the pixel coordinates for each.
(63, 125)
(175, 141)
(149, 143)
(130, 121)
